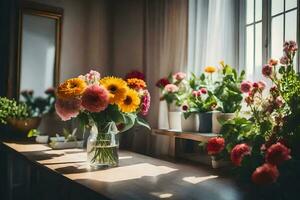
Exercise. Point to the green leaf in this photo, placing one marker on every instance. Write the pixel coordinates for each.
(140, 121)
(33, 133)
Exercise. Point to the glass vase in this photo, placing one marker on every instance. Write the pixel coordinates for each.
(102, 149)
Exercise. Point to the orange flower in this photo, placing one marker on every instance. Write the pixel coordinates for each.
(136, 83)
(71, 88)
(210, 69)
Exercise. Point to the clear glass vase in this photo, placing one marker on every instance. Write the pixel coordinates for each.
(102, 149)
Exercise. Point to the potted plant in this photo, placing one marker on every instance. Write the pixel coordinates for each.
(108, 106)
(67, 141)
(228, 94)
(16, 115)
(39, 138)
(173, 89)
(201, 102)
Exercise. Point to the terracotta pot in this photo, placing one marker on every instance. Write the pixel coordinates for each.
(23, 126)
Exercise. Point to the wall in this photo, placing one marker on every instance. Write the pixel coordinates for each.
(127, 52)
(85, 36)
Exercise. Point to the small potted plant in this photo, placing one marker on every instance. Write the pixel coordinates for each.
(39, 138)
(215, 148)
(67, 141)
(173, 89)
(201, 102)
(228, 94)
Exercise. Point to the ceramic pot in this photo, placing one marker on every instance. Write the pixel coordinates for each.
(220, 117)
(205, 122)
(175, 121)
(191, 124)
(219, 163)
(23, 126)
(42, 139)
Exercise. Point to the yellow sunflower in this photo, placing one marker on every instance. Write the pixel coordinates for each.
(210, 69)
(131, 103)
(71, 88)
(116, 87)
(136, 83)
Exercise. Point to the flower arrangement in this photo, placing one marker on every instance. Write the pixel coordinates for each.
(227, 90)
(173, 88)
(264, 147)
(109, 105)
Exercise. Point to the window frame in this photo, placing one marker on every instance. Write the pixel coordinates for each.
(266, 31)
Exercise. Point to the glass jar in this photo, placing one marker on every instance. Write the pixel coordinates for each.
(102, 149)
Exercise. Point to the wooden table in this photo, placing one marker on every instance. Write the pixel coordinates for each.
(138, 177)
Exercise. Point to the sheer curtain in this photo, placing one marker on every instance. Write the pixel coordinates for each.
(213, 33)
(165, 51)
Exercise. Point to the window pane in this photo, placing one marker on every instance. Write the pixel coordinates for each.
(250, 11)
(258, 10)
(249, 51)
(277, 36)
(291, 25)
(258, 50)
(277, 6)
(289, 4)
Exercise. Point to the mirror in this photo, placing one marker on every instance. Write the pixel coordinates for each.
(39, 49)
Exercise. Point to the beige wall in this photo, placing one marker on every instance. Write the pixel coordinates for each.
(85, 36)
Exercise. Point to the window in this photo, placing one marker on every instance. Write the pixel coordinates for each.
(266, 24)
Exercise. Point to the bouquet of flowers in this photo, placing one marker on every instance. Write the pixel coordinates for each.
(107, 105)
(173, 88)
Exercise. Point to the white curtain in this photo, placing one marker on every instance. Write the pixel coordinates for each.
(213, 33)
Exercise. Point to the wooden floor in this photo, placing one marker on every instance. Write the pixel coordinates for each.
(137, 177)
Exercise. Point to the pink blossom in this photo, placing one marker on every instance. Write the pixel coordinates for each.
(261, 85)
(279, 101)
(93, 75)
(171, 88)
(246, 86)
(255, 85)
(284, 60)
(290, 47)
(196, 93)
(95, 98)
(66, 109)
(267, 70)
(203, 91)
(179, 76)
(145, 105)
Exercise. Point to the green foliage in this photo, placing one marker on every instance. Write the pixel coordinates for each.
(33, 133)
(12, 109)
(228, 91)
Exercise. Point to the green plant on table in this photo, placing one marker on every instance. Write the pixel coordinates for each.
(11, 109)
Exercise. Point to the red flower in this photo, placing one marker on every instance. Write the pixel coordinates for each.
(265, 174)
(277, 154)
(267, 70)
(246, 86)
(238, 152)
(135, 74)
(203, 91)
(161, 83)
(50, 91)
(185, 107)
(215, 145)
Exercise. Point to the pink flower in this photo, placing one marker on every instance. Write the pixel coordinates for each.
(277, 154)
(203, 91)
(290, 47)
(284, 60)
(171, 88)
(255, 85)
(196, 93)
(261, 85)
(161, 83)
(246, 86)
(215, 145)
(265, 174)
(66, 109)
(185, 107)
(267, 70)
(273, 62)
(238, 152)
(145, 105)
(93, 75)
(135, 74)
(95, 98)
(179, 76)
(279, 101)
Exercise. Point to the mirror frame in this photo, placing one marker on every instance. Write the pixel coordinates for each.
(36, 9)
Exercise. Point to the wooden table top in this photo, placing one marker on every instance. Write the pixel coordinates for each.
(137, 177)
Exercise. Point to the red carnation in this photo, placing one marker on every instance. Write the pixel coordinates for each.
(135, 74)
(265, 174)
(267, 70)
(238, 152)
(215, 145)
(277, 154)
(161, 83)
